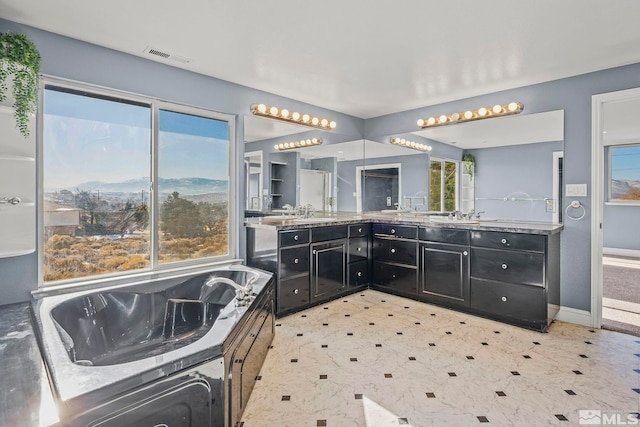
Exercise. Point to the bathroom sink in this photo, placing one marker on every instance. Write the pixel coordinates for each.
(313, 220)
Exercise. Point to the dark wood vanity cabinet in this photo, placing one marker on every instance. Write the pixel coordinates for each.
(515, 277)
(292, 289)
(444, 266)
(395, 258)
(328, 262)
(359, 256)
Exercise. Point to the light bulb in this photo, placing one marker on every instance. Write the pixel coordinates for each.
(284, 113)
(262, 108)
(442, 119)
(332, 124)
(455, 117)
(303, 143)
(497, 109)
(482, 112)
(412, 143)
(420, 122)
(431, 121)
(324, 123)
(276, 146)
(295, 115)
(468, 114)
(513, 106)
(306, 118)
(315, 121)
(273, 111)
(281, 146)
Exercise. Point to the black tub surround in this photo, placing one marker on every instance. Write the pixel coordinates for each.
(26, 398)
(176, 351)
(507, 271)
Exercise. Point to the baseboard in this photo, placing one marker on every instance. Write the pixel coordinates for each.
(573, 315)
(621, 252)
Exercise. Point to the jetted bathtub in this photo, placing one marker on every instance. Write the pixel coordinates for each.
(104, 343)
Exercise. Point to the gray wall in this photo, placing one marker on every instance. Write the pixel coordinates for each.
(71, 59)
(573, 95)
(519, 171)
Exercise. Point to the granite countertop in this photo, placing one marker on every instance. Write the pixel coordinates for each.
(26, 399)
(283, 222)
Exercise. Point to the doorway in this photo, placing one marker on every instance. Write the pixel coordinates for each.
(615, 254)
(378, 187)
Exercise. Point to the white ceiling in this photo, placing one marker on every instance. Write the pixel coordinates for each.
(359, 57)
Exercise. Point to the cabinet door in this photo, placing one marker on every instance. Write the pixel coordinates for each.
(395, 277)
(328, 268)
(292, 294)
(294, 261)
(358, 273)
(358, 249)
(444, 273)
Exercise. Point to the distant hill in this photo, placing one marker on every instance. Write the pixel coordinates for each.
(621, 186)
(184, 186)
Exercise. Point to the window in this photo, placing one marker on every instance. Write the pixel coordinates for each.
(443, 185)
(624, 173)
(110, 206)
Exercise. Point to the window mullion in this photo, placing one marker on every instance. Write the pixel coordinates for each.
(154, 208)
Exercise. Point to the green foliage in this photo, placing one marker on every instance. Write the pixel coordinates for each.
(468, 164)
(20, 58)
(181, 217)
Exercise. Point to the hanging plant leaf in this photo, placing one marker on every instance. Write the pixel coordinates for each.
(20, 59)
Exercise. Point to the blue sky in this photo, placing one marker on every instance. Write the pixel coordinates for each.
(625, 163)
(91, 139)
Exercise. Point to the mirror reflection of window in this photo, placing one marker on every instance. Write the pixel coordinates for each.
(443, 185)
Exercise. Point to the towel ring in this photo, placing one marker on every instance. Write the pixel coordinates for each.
(575, 205)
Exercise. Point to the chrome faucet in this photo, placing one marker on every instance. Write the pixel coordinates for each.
(478, 214)
(243, 293)
(305, 211)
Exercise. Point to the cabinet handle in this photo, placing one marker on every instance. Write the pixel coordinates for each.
(295, 291)
(360, 230)
(393, 275)
(359, 273)
(315, 251)
(503, 241)
(359, 249)
(295, 261)
(296, 237)
(393, 251)
(393, 231)
(504, 266)
(465, 253)
(504, 299)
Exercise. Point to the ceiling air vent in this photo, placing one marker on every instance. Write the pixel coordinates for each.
(165, 55)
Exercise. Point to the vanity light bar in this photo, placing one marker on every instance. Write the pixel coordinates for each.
(298, 144)
(292, 116)
(410, 144)
(470, 115)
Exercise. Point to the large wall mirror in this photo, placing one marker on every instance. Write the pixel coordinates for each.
(322, 176)
(516, 174)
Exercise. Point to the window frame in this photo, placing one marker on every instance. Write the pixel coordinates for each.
(155, 270)
(442, 161)
(609, 175)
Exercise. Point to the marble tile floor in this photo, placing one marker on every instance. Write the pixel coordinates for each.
(376, 360)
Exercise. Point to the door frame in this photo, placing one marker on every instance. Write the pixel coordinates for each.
(359, 170)
(597, 190)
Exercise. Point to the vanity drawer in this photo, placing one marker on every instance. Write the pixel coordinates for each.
(508, 266)
(444, 235)
(293, 293)
(293, 237)
(403, 231)
(359, 230)
(395, 276)
(358, 249)
(518, 303)
(294, 261)
(397, 251)
(500, 240)
(321, 234)
(358, 273)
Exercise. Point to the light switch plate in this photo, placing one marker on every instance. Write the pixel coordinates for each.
(576, 190)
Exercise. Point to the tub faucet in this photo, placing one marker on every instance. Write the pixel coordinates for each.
(243, 293)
